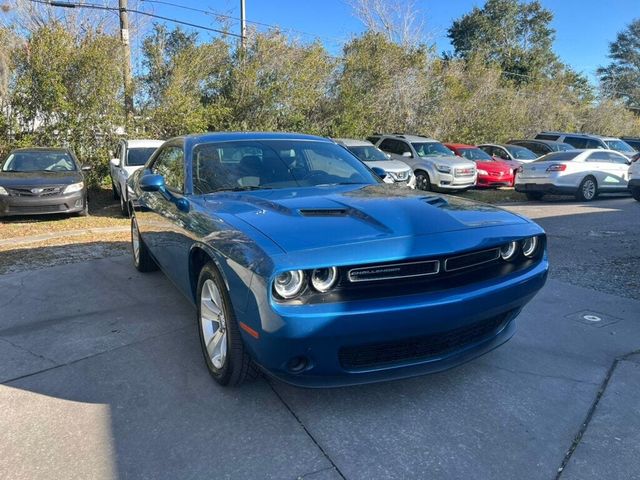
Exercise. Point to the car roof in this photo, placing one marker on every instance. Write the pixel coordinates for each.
(538, 140)
(409, 138)
(352, 142)
(459, 145)
(41, 149)
(142, 143)
(581, 135)
(238, 136)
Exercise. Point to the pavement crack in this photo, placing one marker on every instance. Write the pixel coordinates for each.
(540, 375)
(24, 349)
(306, 430)
(72, 362)
(310, 474)
(592, 410)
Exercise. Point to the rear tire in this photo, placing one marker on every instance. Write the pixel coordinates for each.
(534, 195)
(422, 181)
(588, 189)
(141, 257)
(222, 347)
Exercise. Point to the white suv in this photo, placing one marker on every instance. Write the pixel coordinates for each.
(434, 165)
(634, 177)
(130, 155)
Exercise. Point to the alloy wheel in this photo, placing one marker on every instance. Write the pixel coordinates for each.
(213, 323)
(589, 189)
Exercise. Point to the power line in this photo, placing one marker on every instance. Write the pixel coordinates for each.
(139, 12)
(231, 17)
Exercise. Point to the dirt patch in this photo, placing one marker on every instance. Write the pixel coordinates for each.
(104, 211)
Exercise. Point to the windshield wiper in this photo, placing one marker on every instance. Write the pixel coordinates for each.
(240, 189)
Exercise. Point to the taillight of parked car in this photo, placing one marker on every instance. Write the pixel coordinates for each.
(557, 167)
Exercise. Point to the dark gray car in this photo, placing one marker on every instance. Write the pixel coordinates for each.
(42, 181)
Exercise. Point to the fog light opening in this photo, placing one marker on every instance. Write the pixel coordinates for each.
(297, 364)
(79, 203)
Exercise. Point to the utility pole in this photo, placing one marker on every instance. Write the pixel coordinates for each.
(126, 49)
(243, 26)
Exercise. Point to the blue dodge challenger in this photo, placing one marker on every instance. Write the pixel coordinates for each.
(302, 263)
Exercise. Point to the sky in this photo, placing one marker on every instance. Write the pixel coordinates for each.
(584, 28)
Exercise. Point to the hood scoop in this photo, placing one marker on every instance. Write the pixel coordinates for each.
(435, 201)
(323, 212)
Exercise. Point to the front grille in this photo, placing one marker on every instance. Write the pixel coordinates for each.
(34, 191)
(471, 259)
(464, 172)
(420, 348)
(37, 208)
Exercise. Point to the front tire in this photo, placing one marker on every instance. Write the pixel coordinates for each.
(588, 189)
(114, 191)
(222, 347)
(422, 181)
(141, 257)
(635, 193)
(124, 207)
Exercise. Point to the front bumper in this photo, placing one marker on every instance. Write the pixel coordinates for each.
(32, 205)
(446, 181)
(544, 188)
(489, 181)
(322, 333)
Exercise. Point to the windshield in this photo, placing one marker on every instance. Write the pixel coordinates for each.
(475, 154)
(266, 164)
(431, 149)
(44, 161)
(139, 156)
(368, 153)
(619, 145)
(560, 156)
(521, 153)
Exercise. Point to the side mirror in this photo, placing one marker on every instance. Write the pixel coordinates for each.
(86, 168)
(407, 154)
(388, 155)
(379, 172)
(115, 162)
(151, 183)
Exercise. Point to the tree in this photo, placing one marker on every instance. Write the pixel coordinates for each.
(621, 78)
(398, 21)
(516, 35)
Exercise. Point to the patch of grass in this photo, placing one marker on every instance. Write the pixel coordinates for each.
(489, 195)
(104, 211)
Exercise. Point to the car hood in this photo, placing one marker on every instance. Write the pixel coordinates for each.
(27, 179)
(394, 166)
(318, 217)
(452, 160)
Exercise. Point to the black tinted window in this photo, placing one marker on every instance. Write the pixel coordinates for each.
(170, 164)
(139, 156)
(576, 142)
(616, 158)
(547, 136)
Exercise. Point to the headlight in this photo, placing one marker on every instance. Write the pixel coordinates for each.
(3, 191)
(482, 172)
(289, 284)
(74, 187)
(322, 279)
(529, 246)
(508, 251)
(443, 168)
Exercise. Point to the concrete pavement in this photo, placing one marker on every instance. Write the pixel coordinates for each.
(102, 377)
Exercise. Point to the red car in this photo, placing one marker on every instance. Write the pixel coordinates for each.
(491, 172)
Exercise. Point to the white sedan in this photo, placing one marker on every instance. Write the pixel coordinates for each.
(583, 173)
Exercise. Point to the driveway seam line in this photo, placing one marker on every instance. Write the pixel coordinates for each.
(24, 349)
(306, 430)
(73, 362)
(308, 474)
(592, 410)
(540, 375)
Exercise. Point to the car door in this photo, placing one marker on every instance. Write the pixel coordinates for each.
(598, 165)
(163, 228)
(619, 170)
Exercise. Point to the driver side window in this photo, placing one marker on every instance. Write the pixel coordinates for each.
(170, 164)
